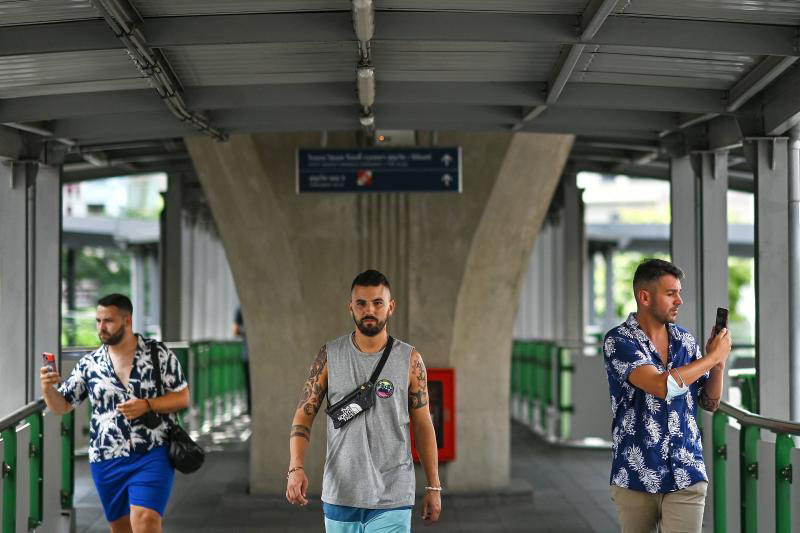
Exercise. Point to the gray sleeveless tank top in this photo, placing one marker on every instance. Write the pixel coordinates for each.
(368, 463)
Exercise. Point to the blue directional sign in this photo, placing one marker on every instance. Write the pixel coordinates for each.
(379, 170)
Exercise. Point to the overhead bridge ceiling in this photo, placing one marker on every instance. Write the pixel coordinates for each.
(118, 83)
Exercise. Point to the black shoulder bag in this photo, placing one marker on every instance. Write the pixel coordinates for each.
(360, 399)
(185, 454)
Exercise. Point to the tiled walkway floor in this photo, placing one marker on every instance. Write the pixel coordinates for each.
(570, 494)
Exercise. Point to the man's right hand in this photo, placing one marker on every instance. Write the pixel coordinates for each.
(296, 487)
(719, 346)
(48, 378)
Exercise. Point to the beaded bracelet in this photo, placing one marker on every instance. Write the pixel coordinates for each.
(437, 489)
(296, 468)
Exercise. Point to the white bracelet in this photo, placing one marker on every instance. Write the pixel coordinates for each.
(437, 489)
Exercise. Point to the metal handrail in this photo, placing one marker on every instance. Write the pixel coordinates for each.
(11, 420)
(752, 419)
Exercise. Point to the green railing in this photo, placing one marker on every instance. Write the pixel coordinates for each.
(749, 467)
(534, 381)
(217, 379)
(31, 416)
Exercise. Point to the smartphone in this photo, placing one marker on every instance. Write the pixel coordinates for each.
(49, 359)
(722, 320)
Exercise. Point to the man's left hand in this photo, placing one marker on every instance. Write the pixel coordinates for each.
(431, 507)
(133, 408)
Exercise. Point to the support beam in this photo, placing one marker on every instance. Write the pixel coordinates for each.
(773, 328)
(313, 95)
(794, 272)
(165, 32)
(713, 170)
(171, 259)
(685, 239)
(757, 79)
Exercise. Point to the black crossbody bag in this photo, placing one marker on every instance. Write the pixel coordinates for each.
(185, 454)
(360, 399)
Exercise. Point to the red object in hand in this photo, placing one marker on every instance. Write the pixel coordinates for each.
(49, 360)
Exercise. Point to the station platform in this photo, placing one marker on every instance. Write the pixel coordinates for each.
(555, 489)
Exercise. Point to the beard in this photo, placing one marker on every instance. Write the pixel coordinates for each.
(670, 316)
(370, 330)
(113, 338)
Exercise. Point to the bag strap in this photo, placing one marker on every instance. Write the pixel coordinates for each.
(156, 362)
(375, 373)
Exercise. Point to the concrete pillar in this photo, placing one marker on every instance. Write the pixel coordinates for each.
(685, 239)
(171, 255)
(772, 275)
(713, 238)
(293, 258)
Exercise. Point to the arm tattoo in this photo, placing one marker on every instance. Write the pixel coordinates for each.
(418, 398)
(312, 393)
(301, 431)
(709, 404)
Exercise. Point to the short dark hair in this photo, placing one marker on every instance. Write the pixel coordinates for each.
(651, 270)
(120, 301)
(371, 278)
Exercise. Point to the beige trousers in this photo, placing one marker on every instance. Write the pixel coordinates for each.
(675, 512)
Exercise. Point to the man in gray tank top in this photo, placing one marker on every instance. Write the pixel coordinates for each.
(368, 483)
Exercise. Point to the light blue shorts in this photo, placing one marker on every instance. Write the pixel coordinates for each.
(341, 519)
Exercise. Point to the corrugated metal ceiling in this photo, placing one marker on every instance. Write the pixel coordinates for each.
(14, 12)
(65, 68)
(657, 66)
(160, 8)
(785, 12)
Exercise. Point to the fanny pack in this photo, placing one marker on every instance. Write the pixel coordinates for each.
(360, 399)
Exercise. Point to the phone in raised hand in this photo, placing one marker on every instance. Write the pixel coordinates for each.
(49, 360)
(721, 321)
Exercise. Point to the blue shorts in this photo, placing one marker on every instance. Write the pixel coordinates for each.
(342, 519)
(142, 479)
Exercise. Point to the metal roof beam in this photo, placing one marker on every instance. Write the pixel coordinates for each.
(312, 95)
(757, 79)
(732, 37)
(592, 20)
(779, 104)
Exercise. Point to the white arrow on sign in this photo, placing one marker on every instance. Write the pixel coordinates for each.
(447, 159)
(447, 179)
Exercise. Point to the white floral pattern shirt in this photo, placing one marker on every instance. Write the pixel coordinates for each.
(111, 435)
(656, 443)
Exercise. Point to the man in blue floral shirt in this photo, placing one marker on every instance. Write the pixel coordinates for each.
(656, 376)
(127, 450)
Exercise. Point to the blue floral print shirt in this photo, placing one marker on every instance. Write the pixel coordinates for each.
(111, 435)
(656, 443)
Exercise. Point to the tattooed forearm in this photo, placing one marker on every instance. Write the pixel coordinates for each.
(418, 397)
(709, 404)
(300, 431)
(311, 396)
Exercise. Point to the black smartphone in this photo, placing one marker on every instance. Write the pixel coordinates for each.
(722, 320)
(49, 359)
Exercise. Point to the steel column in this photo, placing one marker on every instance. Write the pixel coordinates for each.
(794, 272)
(772, 276)
(684, 238)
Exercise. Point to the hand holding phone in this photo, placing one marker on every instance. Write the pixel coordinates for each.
(48, 374)
(721, 321)
(49, 360)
